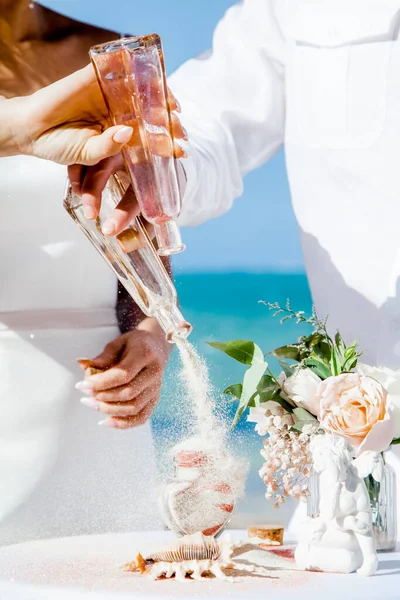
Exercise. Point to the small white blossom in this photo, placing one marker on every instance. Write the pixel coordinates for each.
(287, 463)
(309, 429)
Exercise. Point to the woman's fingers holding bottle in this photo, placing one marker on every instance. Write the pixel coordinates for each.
(133, 352)
(126, 210)
(100, 146)
(133, 421)
(76, 175)
(89, 182)
(128, 391)
(129, 408)
(173, 102)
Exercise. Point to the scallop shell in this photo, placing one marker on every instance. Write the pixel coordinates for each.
(189, 547)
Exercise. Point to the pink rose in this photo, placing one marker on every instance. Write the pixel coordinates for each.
(356, 407)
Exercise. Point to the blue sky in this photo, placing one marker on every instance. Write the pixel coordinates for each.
(259, 233)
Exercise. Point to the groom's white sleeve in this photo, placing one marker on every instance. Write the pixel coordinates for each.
(232, 107)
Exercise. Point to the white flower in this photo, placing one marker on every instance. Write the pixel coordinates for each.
(261, 414)
(287, 420)
(281, 378)
(301, 387)
(356, 407)
(390, 380)
(369, 463)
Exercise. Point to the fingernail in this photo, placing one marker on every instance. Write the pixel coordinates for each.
(84, 386)
(123, 135)
(89, 212)
(178, 106)
(90, 403)
(109, 227)
(106, 423)
(184, 153)
(185, 133)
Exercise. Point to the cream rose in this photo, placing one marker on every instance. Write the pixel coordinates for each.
(357, 408)
(391, 382)
(302, 387)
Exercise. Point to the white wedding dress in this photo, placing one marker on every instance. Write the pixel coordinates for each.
(60, 473)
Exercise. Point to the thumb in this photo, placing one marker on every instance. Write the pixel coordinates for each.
(108, 143)
(110, 354)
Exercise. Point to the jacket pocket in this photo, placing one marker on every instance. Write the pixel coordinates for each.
(338, 70)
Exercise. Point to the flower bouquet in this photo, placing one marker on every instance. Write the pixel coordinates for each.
(322, 388)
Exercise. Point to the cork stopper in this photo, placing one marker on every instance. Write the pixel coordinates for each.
(130, 240)
(269, 535)
(85, 363)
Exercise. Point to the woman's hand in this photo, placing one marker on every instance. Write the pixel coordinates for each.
(89, 182)
(66, 122)
(129, 388)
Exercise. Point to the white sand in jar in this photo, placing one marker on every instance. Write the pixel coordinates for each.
(208, 479)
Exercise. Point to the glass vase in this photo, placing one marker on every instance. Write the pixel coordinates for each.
(382, 497)
(198, 496)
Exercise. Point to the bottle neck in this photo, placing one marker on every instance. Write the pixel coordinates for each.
(168, 238)
(173, 323)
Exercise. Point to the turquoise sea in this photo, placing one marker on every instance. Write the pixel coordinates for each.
(222, 307)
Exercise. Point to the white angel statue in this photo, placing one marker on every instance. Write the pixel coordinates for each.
(339, 539)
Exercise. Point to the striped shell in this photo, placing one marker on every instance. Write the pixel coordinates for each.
(189, 547)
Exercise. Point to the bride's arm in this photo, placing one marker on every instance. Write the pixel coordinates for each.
(10, 138)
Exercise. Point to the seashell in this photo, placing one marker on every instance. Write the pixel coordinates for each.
(190, 547)
(193, 556)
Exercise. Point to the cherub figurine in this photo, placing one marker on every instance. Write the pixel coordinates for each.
(339, 539)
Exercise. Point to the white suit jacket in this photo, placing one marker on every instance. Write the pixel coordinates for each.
(321, 77)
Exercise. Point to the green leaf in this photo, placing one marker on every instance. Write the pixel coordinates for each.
(253, 401)
(286, 368)
(251, 380)
(314, 339)
(284, 403)
(266, 382)
(335, 363)
(289, 352)
(234, 390)
(318, 367)
(352, 364)
(298, 426)
(238, 415)
(323, 352)
(303, 417)
(350, 350)
(267, 394)
(302, 414)
(244, 351)
(395, 441)
(340, 345)
(268, 389)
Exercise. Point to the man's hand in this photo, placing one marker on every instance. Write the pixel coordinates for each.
(129, 388)
(66, 122)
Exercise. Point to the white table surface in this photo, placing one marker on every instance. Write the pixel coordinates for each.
(88, 567)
